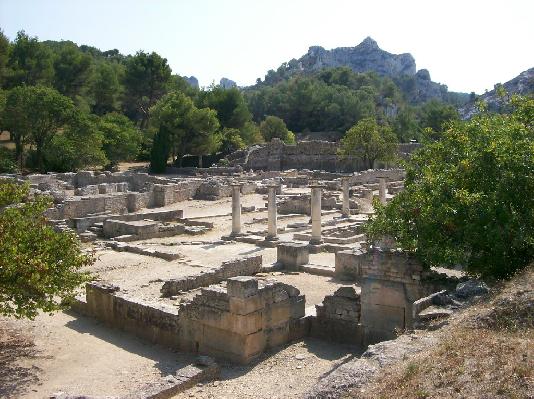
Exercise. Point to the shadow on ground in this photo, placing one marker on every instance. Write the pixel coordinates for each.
(15, 345)
(166, 360)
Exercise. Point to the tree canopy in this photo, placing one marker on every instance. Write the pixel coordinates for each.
(468, 196)
(274, 127)
(39, 268)
(369, 142)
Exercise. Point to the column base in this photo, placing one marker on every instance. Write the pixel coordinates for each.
(316, 242)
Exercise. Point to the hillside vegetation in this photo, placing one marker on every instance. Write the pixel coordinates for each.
(486, 351)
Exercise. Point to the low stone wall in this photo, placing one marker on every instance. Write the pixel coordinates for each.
(338, 317)
(236, 322)
(318, 155)
(238, 267)
(242, 321)
(215, 189)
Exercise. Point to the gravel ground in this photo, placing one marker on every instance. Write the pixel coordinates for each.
(287, 373)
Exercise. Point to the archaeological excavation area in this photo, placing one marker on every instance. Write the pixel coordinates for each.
(247, 284)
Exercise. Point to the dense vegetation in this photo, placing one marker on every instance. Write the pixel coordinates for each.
(69, 107)
(335, 99)
(39, 267)
(468, 196)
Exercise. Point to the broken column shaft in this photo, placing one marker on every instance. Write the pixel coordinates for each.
(236, 209)
(271, 214)
(345, 208)
(316, 214)
(382, 190)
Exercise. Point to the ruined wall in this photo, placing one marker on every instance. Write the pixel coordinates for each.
(236, 322)
(239, 323)
(390, 284)
(319, 155)
(338, 317)
(233, 268)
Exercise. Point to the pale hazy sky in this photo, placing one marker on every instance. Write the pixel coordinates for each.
(467, 45)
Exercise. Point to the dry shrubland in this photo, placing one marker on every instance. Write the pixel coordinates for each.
(487, 351)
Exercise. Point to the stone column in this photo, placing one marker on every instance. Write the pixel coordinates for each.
(316, 192)
(345, 209)
(382, 189)
(272, 232)
(236, 209)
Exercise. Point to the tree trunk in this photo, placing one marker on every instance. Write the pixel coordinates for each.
(200, 161)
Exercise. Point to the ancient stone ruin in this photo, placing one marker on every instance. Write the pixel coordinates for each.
(234, 264)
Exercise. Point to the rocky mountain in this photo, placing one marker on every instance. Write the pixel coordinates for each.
(226, 83)
(522, 84)
(192, 81)
(366, 56)
(417, 85)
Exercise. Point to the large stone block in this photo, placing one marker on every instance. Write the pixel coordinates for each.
(242, 286)
(292, 255)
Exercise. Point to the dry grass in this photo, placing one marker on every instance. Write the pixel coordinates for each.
(485, 352)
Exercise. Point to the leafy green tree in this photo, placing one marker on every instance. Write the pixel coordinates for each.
(30, 62)
(39, 268)
(274, 127)
(121, 138)
(468, 197)
(232, 110)
(170, 116)
(36, 113)
(434, 118)
(369, 142)
(146, 79)
(405, 125)
(202, 134)
(159, 154)
(106, 89)
(72, 70)
(231, 140)
(4, 58)
(77, 146)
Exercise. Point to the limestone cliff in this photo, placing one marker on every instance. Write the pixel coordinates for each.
(366, 56)
(522, 84)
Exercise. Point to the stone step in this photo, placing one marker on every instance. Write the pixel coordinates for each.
(318, 270)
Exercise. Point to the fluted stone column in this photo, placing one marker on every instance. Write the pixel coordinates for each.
(316, 192)
(272, 232)
(382, 189)
(345, 208)
(236, 209)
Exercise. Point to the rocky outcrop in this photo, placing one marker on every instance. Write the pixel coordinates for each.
(369, 57)
(192, 81)
(226, 83)
(366, 56)
(522, 84)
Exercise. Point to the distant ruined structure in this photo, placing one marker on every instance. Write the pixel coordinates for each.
(312, 155)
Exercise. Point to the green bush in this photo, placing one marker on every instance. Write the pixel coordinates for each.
(468, 198)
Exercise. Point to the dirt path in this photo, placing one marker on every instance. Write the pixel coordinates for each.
(288, 373)
(78, 355)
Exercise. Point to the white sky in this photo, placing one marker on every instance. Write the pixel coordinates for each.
(467, 45)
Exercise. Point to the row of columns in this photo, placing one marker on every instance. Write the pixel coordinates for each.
(316, 192)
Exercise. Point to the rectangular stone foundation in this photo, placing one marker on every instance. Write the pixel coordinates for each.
(237, 322)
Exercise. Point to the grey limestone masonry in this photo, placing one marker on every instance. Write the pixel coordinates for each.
(338, 317)
(318, 155)
(238, 267)
(390, 284)
(292, 255)
(236, 322)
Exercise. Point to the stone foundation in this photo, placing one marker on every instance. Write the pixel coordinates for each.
(239, 267)
(236, 321)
